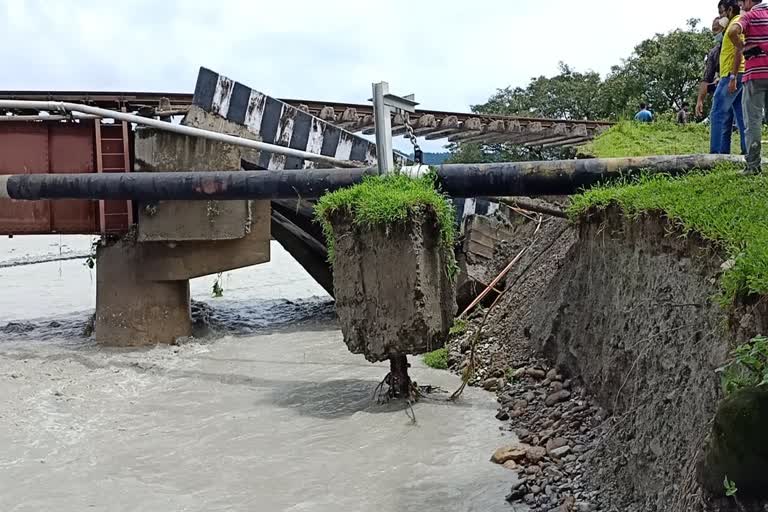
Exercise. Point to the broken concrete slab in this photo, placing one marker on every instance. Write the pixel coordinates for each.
(394, 294)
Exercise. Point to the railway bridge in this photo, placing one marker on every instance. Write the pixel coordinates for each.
(151, 249)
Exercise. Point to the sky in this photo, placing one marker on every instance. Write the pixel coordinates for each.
(449, 54)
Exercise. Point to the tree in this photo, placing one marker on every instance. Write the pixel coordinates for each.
(663, 71)
(567, 95)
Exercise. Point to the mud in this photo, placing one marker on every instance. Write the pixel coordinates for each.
(626, 311)
(393, 291)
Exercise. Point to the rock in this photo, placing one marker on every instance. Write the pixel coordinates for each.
(536, 374)
(520, 372)
(510, 464)
(516, 413)
(515, 495)
(556, 386)
(560, 452)
(530, 397)
(502, 415)
(533, 470)
(556, 398)
(552, 374)
(514, 452)
(466, 344)
(492, 384)
(498, 373)
(536, 489)
(530, 498)
(583, 506)
(520, 405)
(554, 444)
(535, 454)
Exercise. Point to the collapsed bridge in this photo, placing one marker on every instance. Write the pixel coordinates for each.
(72, 171)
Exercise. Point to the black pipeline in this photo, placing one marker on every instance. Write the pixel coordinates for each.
(560, 177)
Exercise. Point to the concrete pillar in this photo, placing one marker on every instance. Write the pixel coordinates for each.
(134, 312)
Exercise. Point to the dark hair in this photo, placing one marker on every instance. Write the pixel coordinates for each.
(686, 104)
(731, 4)
(643, 106)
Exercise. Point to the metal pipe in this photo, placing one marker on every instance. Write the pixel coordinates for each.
(458, 180)
(60, 106)
(48, 118)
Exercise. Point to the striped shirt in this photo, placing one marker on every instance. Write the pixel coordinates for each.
(754, 24)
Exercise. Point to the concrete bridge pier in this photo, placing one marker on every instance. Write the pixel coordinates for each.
(142, 281)
(131, 311)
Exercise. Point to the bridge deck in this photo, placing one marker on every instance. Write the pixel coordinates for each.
(358, 118)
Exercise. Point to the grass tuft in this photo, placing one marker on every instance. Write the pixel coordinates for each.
(722, 206)
(437, 359)
(387, 200)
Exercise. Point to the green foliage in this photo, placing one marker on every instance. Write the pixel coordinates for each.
(730, 487)
(387, 200)
(459, 327)
(567, 95)
(663, 71)
(437, 359)
(90, 260)
(217, 290)
(749, 367)
(489, 153)
(722, 206)
(510, 374)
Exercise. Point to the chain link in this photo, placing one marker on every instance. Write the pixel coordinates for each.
(417, 153)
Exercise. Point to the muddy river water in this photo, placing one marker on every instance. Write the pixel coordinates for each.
(269, 413)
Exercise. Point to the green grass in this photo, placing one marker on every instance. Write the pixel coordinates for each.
(721, 206)
(388, 200)
(630, 138)
(459, 327)
(437, 359)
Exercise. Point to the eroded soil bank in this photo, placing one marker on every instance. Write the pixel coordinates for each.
(605, 352)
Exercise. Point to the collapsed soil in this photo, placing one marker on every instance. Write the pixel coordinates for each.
(654, 320)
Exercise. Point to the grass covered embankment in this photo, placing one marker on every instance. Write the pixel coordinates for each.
(630, 138)
(722, 206)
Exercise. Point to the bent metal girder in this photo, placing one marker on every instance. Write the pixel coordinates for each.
(560, 177)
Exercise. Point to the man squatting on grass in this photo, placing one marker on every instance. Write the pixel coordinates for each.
(753, 26)
(727, 100)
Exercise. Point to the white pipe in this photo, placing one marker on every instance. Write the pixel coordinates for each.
(62, 106)
(77, 115)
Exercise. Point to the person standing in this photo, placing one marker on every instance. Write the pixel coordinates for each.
(644, 116)
(749, 35)
(727, 100)
(712, 64)
(682, 114)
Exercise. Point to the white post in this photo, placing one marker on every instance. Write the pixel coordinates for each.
(383, 127)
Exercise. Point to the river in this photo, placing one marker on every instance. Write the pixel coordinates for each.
(269, 412)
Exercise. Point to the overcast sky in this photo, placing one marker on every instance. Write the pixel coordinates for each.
(450, 54)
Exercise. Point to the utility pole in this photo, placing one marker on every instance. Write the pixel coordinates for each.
(384, 105)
